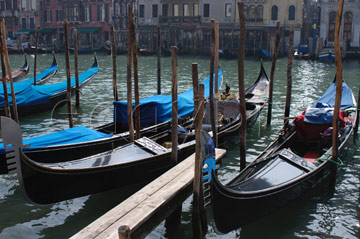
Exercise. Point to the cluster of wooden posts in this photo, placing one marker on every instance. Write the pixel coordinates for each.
(199, 217)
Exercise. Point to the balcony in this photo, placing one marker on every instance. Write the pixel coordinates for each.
(179, 19)
(8, 13)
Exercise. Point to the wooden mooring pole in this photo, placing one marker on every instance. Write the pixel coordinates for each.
(76, 62)
(113, 54)
(67, 60)
(7, 62)
(216, 56)
(339, 80)
(136, 80)
(36, 51)
(198, 214)
(241, 61)
(289, 78)
(274, 57)
(174, 135)
(158, 60)
(124, 232)
(195, 80)
(212, 106)
(129, 83)
(357, 116)
(4, 78)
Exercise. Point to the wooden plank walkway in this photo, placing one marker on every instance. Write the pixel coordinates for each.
(147, 208)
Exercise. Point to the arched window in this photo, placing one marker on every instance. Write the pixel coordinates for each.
(252, 13)
(292, 13)
(347, 25)
(246, 13)
(260, 13)
(332, 21)
(274, 13)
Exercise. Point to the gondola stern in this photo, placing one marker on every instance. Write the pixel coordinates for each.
(26, 66)
(95, 61)
(54, 60)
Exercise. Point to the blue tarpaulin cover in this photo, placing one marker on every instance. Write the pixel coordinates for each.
(319, 115)
(67, 136)
(27, 94)
(25, 83)
(158, 108)
(328, 98)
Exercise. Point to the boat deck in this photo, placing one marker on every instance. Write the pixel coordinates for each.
(147, 208)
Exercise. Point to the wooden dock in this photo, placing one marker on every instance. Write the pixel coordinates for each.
(147, 208)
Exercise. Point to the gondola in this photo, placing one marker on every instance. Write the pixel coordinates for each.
(298, 160)
(145, 158)
(327, 55)
(32, 99)
(18, 73)
(40, 78)
(43, 75)
(79, 142)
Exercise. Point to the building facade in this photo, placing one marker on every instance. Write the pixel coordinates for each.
(350, 24)
(91, 19)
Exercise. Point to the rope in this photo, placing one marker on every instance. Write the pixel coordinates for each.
(338, 162)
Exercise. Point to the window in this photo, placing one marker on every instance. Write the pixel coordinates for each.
(87, 13)
(291, 13)
(59, 15)
(142, 11)
(71, 11)
(259, 13)
(154, 11)
(2, 5)
(332, 22)
(196, 10)
(185, 10)
(32, 23)
(251, 13)
(206, 10)
(23, 23)
(33, 4)
(165, 10)
(348, 25)
(102, 13)
(228, 10)
(175, 10)
(274, 13)
(16, 22)
(47, 15)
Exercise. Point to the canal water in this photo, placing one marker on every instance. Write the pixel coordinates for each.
(318, 214)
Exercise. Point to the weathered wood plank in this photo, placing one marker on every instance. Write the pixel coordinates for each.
(139, 207)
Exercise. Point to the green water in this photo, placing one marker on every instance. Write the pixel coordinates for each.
(317, 215)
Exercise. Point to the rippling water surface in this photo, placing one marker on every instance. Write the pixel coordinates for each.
(318, 214)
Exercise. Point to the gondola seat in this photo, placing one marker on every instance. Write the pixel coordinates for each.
(311, 156)
(308, 129)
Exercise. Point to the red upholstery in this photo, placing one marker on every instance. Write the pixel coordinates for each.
(311, 156)
(307, 131)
